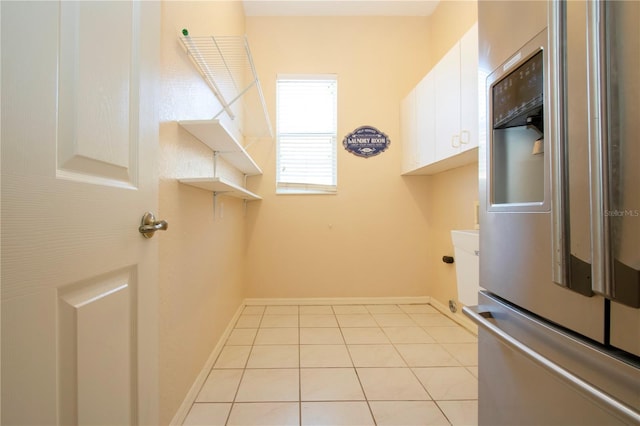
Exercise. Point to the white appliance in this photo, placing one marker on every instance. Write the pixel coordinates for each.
(559, 322)
(466, 249)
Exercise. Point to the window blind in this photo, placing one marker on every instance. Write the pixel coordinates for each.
(306, 135)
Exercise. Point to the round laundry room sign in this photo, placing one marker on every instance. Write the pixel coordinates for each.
(366, 141)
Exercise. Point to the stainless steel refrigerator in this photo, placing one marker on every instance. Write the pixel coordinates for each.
(559, 322)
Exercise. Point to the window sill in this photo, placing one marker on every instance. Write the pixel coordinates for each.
(281, 191)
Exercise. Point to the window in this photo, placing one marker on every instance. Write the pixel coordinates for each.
(306, 134)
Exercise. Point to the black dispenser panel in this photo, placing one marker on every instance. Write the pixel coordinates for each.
(519, 95)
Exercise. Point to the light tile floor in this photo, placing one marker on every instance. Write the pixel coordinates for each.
(346, 365)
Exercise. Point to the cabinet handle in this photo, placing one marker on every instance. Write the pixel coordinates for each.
(464, 140)
(453, 141)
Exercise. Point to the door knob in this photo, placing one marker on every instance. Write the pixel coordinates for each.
(149, 225)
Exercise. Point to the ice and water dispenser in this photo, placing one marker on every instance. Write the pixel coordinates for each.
(517, 126)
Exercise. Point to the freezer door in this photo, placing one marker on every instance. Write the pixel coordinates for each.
(532, 372)
(622, 88)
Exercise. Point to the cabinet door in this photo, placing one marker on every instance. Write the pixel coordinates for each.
(408, 132)
(447, 88)
(469, 130)
(425, 118)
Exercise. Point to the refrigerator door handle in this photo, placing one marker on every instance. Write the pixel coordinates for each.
(482, 317)
(567, 117)
(599, 151)
(560, 221)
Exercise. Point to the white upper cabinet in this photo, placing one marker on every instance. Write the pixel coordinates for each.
(469, 90)
(408, 128)
(447, 76)
(417, 116)
(425, 120)
(443, 130)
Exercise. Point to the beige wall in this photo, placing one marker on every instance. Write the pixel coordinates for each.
(450, 20)
(382, 235)
(452, 194)
(201, 258)
(371, 239)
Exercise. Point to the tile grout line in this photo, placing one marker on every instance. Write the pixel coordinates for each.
(442, 411)
(411, 368)
(244, 369)
(299, 372)
(418, 379)
(209, 374)
(422, 384)
(364, 394)
(398, 352)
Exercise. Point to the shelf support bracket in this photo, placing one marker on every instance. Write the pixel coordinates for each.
(215, 163)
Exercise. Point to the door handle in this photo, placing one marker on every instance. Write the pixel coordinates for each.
(149, 225)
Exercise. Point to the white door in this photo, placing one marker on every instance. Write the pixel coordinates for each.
(79, 140)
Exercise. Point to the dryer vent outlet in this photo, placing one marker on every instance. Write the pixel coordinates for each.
(453, 307)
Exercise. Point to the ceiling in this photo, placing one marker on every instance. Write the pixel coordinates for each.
(339, 7)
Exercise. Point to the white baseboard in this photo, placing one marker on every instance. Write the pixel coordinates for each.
(191, 396)
(458, 317)
(339, 301)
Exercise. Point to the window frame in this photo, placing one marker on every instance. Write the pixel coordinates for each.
(302, 188)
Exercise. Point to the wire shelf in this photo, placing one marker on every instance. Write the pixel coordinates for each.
(226, 64)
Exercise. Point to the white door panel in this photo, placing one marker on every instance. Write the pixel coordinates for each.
(97, 94)
(96, 343)
(79, 141)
